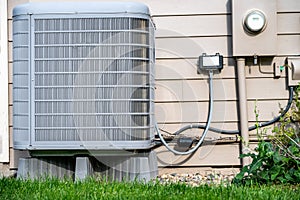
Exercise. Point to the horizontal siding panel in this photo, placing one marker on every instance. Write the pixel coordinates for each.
(288, 5)
(169, 69)
(10, 56)
(215, 25)
(224, 90)
(178, 69)
(206, 155)
(203, 25)
(268, 89)
(10, 114)
(169, 90)
(194, 112)
(288, 23)
(198, 90)
(11, 137)
(188, 7)
(194, 90)
(192, 47)
(10, 72)
(267, 109)
(288, 44)
(10, 93)
(9, 29)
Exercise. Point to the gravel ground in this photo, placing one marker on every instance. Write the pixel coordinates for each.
(192, 179)
(195, 179)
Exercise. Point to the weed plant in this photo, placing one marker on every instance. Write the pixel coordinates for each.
(276, 160)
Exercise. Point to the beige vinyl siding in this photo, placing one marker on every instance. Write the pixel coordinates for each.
(224, 90)
(183, 94)
(186, 29)
(210, 155)
(4, 132)
(287, 23)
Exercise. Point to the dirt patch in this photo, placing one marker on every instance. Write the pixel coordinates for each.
(6, 171)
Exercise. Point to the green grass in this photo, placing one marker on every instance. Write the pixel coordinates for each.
(11, 188)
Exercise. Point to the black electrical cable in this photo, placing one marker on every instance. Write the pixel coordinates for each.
(221, 131)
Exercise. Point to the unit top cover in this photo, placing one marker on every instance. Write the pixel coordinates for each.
(80, 7)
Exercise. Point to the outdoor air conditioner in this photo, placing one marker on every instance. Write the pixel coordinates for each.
(83, 76)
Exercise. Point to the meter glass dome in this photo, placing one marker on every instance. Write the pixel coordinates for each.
(255, 21)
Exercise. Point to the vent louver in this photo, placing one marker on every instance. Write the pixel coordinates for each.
(83, 80)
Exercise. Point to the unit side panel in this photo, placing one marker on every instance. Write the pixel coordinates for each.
(21, 85)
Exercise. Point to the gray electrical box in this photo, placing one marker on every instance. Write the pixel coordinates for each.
(210, 62)
(254, 27)
(83, 76)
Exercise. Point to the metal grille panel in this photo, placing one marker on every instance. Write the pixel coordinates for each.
(100, 89)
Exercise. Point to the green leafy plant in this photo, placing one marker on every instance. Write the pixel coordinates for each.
(276, 160)
(287, 136)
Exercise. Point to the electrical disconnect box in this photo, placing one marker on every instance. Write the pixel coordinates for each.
(254, 27)
(293, 70)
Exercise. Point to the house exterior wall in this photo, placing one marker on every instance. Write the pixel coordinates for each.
(185, 30)
(4, 134)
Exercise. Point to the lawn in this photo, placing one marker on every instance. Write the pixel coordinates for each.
(11, 188)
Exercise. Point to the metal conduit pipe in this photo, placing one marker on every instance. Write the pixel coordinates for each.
(243, 107)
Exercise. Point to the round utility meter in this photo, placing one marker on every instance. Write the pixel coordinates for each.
(255, 21)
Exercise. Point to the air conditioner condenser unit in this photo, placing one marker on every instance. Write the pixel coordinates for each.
(83, 83)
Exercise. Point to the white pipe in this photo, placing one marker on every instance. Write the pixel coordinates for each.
(243, 107)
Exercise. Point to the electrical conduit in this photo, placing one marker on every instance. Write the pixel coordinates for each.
(243, 108)
(209, 117)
